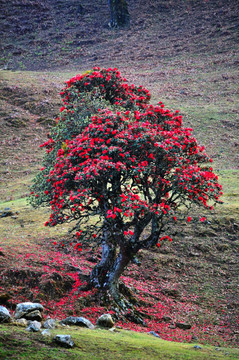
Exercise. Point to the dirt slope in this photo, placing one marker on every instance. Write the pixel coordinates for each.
(52, 34)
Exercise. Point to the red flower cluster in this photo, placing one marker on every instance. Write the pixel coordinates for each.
(140, 164)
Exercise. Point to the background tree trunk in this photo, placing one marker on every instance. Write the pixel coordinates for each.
(119, 14)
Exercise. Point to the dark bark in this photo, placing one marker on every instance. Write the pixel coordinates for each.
(110, 289)
(117, 253)
(122, 260)
(119, 14)
(115, 258)
(106, 274)
(100, 273)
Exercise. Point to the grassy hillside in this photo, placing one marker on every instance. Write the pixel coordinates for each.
(101, 344)
(187, 56)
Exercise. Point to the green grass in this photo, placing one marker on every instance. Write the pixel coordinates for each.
(101, 345)
(230, 183)
(28, 224)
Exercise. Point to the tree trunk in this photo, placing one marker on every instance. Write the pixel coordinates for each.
(100, 273)
(121, 262)
(125, 304)
(119, 15)
(105, 276)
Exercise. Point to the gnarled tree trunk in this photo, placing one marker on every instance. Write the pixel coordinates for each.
(106, 275)
(100, 273)
(121, 262)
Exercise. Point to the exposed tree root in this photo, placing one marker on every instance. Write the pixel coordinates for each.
(121, 300)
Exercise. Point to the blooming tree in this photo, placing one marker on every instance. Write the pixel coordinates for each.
(122, 170)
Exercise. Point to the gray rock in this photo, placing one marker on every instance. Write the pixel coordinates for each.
(195, 254)
(105, 321)
(6, 212)
(78, 321)
(23, 309)
(197, 347)
(4, 314)
(183, 326)
(113, 329)
(34, 315)
(21, 322)
(34, 326)
(154, 334)
(46, 332)
(49, 324)
(64, 340)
